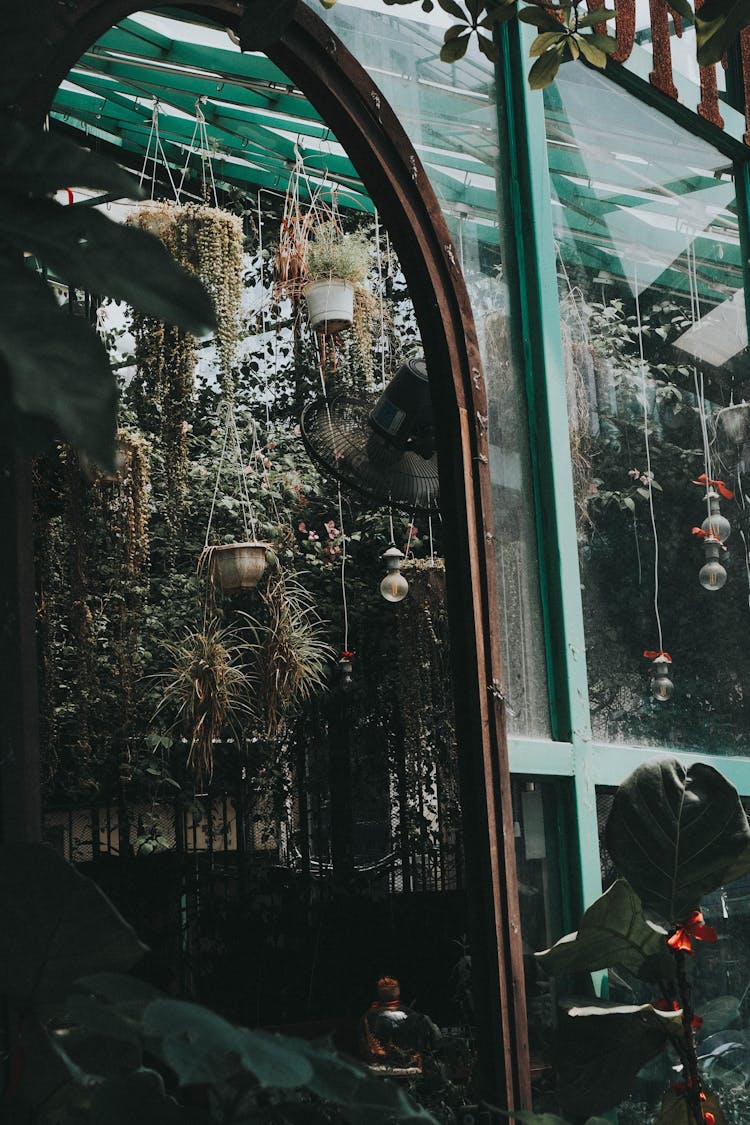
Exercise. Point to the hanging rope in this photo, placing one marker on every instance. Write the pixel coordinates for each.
(647, 444)
(155, 136)
(232, 441)
(203, 150)
(344, 602)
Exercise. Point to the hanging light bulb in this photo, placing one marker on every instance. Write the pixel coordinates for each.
(394, 586)
(712, 575)
(716, 524)
(345, 668)
(662, 687)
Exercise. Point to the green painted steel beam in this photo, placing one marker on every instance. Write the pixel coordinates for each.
(154, 77)
(105, 86)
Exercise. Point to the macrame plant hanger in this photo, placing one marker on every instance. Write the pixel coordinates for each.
(154, 139)
(199, 146)
(231, 458)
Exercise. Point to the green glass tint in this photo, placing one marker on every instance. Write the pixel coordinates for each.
(450, 116)
(655, 347)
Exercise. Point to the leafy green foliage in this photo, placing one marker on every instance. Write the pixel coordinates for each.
(602, 1048)
(88, 1069)
(676, 833)
(57, 925)
(58, 371)
(613, 932)
(717, 24)
(676, 1109)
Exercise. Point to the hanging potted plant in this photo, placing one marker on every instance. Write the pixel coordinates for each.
(336, 268)
(209, 690)
(734, 421)
(234, 566)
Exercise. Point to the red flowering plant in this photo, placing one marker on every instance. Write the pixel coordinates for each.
(675, 834)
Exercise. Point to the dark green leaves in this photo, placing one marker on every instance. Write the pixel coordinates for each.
(613, 933)
(39, 164)
(86, 249)
(546, 67)
(677, 833)
(56, 926)
(58, 371)
(58, 367)
(676, 1111)
(201, 1047)
(602, 1050)
(717, 24)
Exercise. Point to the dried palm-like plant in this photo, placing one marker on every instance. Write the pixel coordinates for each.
(291, 652)
(210, 689)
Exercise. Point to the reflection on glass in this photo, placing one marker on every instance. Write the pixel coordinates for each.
(655, 349)
(449, 114)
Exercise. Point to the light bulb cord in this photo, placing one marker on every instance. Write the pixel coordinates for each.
(647, 445)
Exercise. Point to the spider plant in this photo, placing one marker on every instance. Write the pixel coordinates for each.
(291, 653)
(210, 689)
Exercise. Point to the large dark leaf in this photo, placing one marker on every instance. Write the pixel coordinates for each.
(364, 1098)
(136, 1099)
(202, 1047)
(87, 249)
(58, 367)
(56, 926)
(675, 1109)
(36, 163)
(676, 833)
(717, 25)
(613, 932)
(601, 1049)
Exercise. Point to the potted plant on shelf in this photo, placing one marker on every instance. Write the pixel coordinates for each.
(336, 268)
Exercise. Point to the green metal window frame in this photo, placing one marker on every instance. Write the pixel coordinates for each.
(572, 753)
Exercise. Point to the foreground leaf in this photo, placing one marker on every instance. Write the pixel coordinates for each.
(676, 1111)
(545, 68)
(58, 367)
(601, 1049)
(37, 163)
(717, 25)
(56, 925)
(85, 248)
(676, 833)
(201, 1047)
(613, 933)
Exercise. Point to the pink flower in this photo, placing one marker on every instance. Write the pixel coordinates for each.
(186, 427)
(297, 431)
(313, 536)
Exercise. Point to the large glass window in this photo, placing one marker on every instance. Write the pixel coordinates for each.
(450, 116)
(655, 350)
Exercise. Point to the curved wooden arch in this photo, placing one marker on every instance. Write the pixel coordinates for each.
(342, 92)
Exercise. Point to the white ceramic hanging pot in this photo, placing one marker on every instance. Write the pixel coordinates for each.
(735, 422)
(330, 305)
(237, 566)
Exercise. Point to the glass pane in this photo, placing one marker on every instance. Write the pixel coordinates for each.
(450, 116)
(655, 348)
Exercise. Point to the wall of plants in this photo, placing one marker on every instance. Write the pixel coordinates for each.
(155, 681)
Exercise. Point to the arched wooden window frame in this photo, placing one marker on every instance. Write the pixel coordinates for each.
(362, 120)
